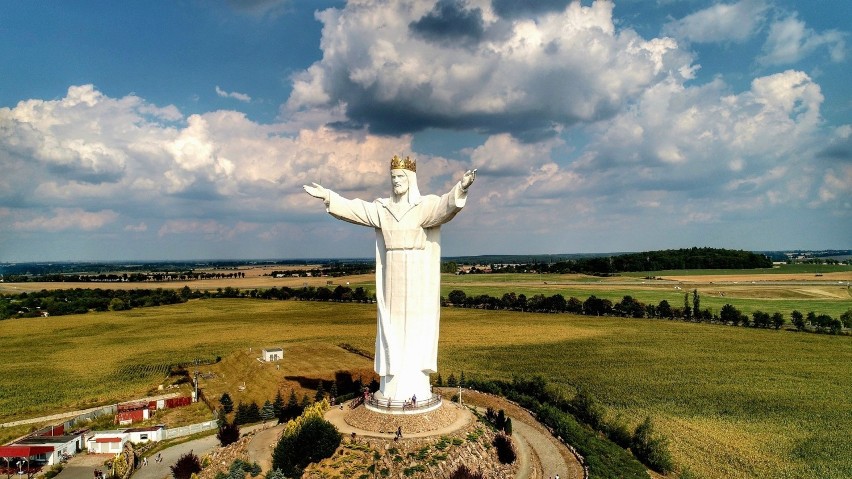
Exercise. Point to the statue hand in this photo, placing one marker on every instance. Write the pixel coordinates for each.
(468, 178)
(317, 191)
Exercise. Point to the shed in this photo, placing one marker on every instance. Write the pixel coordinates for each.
(107, 442)
(146, 434)
(273, 354)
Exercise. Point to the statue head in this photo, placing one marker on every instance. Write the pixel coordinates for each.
(404, 179)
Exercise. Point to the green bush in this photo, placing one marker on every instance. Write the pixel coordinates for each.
(463, 472)
(650, 449)
(186, 466)
(586, 408)
(505, 449)
(314, 441)
(618, 432)
(229, 433)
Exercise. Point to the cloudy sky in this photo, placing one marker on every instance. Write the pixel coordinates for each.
(185, 129)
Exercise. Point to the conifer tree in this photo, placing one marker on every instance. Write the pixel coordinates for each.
(267, 412)
(320, 395)
(278, 405)
(227, 402)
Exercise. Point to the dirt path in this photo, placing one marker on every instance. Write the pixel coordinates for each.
(262, 444)
(553, 456)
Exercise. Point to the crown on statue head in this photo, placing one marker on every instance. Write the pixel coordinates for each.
(406, 163)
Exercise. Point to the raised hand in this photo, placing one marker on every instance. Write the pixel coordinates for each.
(317, 191)
(468, 178)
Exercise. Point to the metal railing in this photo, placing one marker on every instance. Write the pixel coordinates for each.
(406, 405)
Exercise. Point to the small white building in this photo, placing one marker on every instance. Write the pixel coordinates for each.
(145, 434)
(272, 354)
(107, 442)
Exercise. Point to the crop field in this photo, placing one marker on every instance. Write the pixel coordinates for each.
(734, 402)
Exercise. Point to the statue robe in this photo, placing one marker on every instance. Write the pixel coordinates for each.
(408, 267)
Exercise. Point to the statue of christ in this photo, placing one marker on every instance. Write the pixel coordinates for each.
(408, 267)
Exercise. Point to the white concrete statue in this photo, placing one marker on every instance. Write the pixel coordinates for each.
(408, 267)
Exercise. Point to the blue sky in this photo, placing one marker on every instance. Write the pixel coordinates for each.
(184, 130)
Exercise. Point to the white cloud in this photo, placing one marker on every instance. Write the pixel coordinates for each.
(235, 95)
(139, 228)
(720, 23)
(526, 76)
(704, 142)
(88, 150)
(789, 41)
(67, 219)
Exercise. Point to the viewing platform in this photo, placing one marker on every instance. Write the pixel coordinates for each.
(388, 406)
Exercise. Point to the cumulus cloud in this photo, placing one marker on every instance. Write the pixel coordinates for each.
(139, 228)
(260, 8)
(450, 22)
(235, 95)
(721, 23)
(528, 76)
(67, 219)
(704, 138)
(790, 40)
(90, 151)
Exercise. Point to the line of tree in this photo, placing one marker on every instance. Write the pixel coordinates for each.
(630, 307)
(333, 270)
(82, 300)
(142, 277)
(687, 258)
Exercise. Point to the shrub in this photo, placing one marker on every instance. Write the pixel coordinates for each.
(618, 432)
(229, 433)
(313, 440)
(186, 466)
(650, 449)
(505, 449)
(275, 474)
(463, 472)
(586, 408)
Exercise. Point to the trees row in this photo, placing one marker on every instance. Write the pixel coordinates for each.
(145, 277)
(630, 307)
(82, 300)
(688, 258)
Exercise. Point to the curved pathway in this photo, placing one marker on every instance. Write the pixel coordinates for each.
(554, 458)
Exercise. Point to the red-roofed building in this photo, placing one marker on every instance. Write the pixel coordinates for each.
(107, 442)
(44, 450)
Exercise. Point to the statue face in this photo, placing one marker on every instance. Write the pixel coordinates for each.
(399, 180)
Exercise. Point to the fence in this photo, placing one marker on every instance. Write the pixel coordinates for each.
(189, 430)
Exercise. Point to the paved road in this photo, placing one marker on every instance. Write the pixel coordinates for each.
(83, 466)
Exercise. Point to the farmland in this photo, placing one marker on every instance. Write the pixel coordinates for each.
(734, 402)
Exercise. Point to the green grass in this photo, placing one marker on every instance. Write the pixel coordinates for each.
(734, 402)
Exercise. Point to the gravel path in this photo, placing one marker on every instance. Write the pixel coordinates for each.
(261, 446)
(553, 456)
